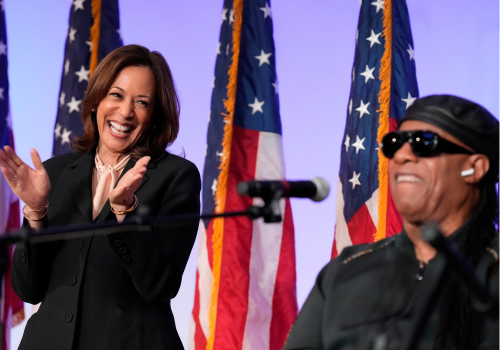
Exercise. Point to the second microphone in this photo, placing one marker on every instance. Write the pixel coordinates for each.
(316, 189)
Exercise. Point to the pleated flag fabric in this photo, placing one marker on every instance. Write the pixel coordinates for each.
(245, 282)
(93, 32)
(384, 85)
(12, 308)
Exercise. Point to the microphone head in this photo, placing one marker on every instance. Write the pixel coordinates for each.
(242, 188)
(322, 189)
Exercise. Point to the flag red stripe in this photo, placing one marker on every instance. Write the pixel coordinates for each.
(209, 232)
(199, 338)
(285, 291)
(232, 302)
(394, 220)
(361, 227)
(334, 247)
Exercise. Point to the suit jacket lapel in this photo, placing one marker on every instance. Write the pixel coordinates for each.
(80, 182)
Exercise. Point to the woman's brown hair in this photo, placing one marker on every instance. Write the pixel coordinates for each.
(164, 125)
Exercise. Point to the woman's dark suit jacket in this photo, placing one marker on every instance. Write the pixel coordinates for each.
(108, 291)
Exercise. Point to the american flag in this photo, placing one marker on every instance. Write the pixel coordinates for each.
(81, 55)
(12, 308)
(384, 85)
(245, 294)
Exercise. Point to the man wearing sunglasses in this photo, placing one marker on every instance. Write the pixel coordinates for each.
(443, 169)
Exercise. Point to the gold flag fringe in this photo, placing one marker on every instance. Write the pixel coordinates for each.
(94, 35)
(220, 195)
(384, 99)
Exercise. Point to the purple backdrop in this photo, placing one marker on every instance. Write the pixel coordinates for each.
(456, 46)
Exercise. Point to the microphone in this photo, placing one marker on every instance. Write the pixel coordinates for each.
(316, 189)
(457, 262)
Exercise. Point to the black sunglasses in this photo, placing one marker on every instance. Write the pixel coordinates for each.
(423, 144)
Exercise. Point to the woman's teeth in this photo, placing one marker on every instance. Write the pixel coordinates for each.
(119, 129)
(407, 178)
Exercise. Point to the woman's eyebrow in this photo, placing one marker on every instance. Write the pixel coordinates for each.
(119, 88)
(144, 96)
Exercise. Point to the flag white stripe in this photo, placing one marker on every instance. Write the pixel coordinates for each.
(192, 329)
(372, 205)
(341, 231)
(265, 250)
(204, 282)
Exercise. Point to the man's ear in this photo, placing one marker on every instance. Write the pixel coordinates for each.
(480, 165)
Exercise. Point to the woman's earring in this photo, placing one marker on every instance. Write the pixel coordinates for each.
(467, 172)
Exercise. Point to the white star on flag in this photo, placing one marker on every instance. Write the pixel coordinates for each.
(411, 52)
(346, 143)
(276, 87)
(66, 67)
(62, 98)
(267, 10)
(379, 4)
(224, 17)
(368, 74)
(57, 131)
(65, 136)
(350, 107)
(357, 35)
(220, 154)
(119, 33)
(83, 74)
(8, 119)
(227, 49)
(71, 34)
(213, 83)
(263, 58)
(409, 101)
(358, 144)
(231, 16)
(3, 48)
(355, 180)
(218, 49)
(1, 93)
(73, 105)
(78, 4)
(363, 109)
(214, 187)
(89, 43)
(353, 73)
(256, 106)
(373, 38)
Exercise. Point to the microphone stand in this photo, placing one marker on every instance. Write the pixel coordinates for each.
(464, 271)
(141, 222)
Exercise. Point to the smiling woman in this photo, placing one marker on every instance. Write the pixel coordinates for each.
(110, 291)
(153, 96)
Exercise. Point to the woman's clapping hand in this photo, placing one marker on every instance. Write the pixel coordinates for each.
(32, 186)
(122, 196)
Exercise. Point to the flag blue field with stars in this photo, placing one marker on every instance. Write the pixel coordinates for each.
(255, 286)
(76, 67)
(358, 185)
